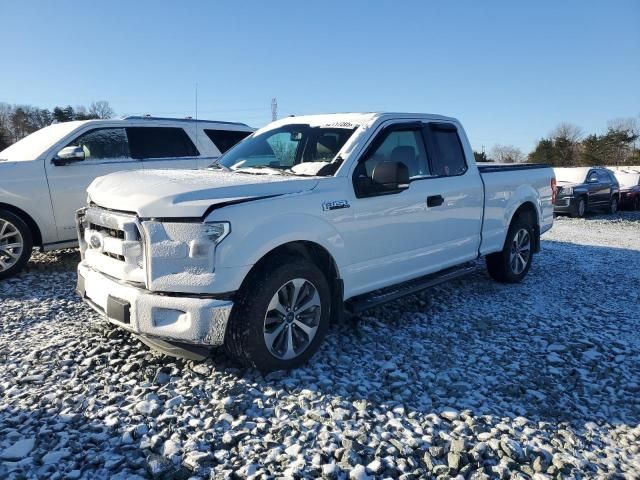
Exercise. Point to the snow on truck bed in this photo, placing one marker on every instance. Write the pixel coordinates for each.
(471, 376)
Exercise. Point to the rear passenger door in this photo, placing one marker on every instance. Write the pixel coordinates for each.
(162, 147)
(453, 218)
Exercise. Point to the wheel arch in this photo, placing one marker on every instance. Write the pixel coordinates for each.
(31, 223)
(316, 254)
(528, 209)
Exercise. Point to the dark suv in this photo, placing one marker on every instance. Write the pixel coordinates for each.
(582, 189)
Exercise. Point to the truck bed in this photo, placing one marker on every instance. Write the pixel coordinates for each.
(507, 186)
(490, 167)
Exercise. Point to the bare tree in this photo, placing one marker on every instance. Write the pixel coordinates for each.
(101, 109)
(567, 131)
(507, 154)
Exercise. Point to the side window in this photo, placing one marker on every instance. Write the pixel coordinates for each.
(445, 150)
(160, 142)
(225, 139)
(103, 144)
(592, 177)
(603, 177)
(396, 156)
(404, 146)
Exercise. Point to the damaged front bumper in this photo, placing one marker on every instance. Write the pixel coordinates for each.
(184, 319)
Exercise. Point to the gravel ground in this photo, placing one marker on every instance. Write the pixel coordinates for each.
(471, 379)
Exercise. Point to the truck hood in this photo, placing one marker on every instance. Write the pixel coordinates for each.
(187, 193)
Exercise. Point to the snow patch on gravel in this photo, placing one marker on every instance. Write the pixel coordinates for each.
(472, 378)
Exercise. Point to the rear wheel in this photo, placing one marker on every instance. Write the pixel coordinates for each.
(16, 244)
(280, 316)
(512, 263)
(613, 205)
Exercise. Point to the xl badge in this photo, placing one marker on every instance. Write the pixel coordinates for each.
(335, 205)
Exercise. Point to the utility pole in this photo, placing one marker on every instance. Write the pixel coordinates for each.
(274, 109)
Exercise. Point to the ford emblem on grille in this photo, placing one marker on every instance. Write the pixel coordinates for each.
(95, 241)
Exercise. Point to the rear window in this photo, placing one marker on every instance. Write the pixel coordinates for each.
(445, 150)
(160, 142)
(225, 139)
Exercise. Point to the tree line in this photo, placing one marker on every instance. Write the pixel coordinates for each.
(18, 121)
(568, 146)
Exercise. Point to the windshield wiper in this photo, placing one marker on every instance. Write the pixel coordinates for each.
(262, 170)
(219, 166)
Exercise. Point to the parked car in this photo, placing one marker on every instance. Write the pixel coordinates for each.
(308, 216)
(629, 189)
(584, 189)
(44, 177)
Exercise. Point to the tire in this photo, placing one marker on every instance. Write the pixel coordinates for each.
(613, 205)
(261, 327)
(512, 264)
(16, 244)
(581, 208)
(636, 202)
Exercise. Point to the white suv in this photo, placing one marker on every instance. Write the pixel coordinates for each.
(44, 177)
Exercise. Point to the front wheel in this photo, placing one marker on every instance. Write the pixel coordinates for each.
(581, 208)
(16, 244)
(512, 263)
(281, 315)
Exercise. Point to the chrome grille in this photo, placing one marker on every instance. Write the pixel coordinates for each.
(111, 242)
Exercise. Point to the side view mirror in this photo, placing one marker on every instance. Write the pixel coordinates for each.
(391, 176)
(69, 155)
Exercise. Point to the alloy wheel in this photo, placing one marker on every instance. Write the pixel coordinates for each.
(292, 319)
(11, 245)
(520, 251)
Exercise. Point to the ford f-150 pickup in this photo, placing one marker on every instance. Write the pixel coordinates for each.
(307, 218)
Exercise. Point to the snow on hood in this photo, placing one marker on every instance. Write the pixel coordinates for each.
(186, 193)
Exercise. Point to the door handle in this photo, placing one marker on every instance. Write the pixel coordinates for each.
(435, 200)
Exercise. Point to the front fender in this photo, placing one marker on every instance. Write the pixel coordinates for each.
(246, 246)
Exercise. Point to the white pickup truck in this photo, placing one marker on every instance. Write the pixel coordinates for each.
(44, 177)
(305, 218)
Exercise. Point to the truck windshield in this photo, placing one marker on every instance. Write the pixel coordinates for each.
(291, 149)
(34, 145)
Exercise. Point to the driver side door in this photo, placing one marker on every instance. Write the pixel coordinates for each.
(106, 150)
(385, 229)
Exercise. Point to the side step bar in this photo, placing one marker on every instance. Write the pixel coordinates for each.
(366, 301)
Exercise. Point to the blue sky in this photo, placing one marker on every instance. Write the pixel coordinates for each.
(511, 71)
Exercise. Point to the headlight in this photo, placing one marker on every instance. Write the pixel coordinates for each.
(216, 231)
(566, 191)
(211, 234)
(181, 255)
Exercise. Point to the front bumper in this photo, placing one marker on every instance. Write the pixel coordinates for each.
(191, 320)
(564, 205)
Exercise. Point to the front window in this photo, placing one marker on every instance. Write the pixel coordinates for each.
(103, 144)
(293, 149)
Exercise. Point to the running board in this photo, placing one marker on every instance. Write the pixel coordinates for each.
(366, 301)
